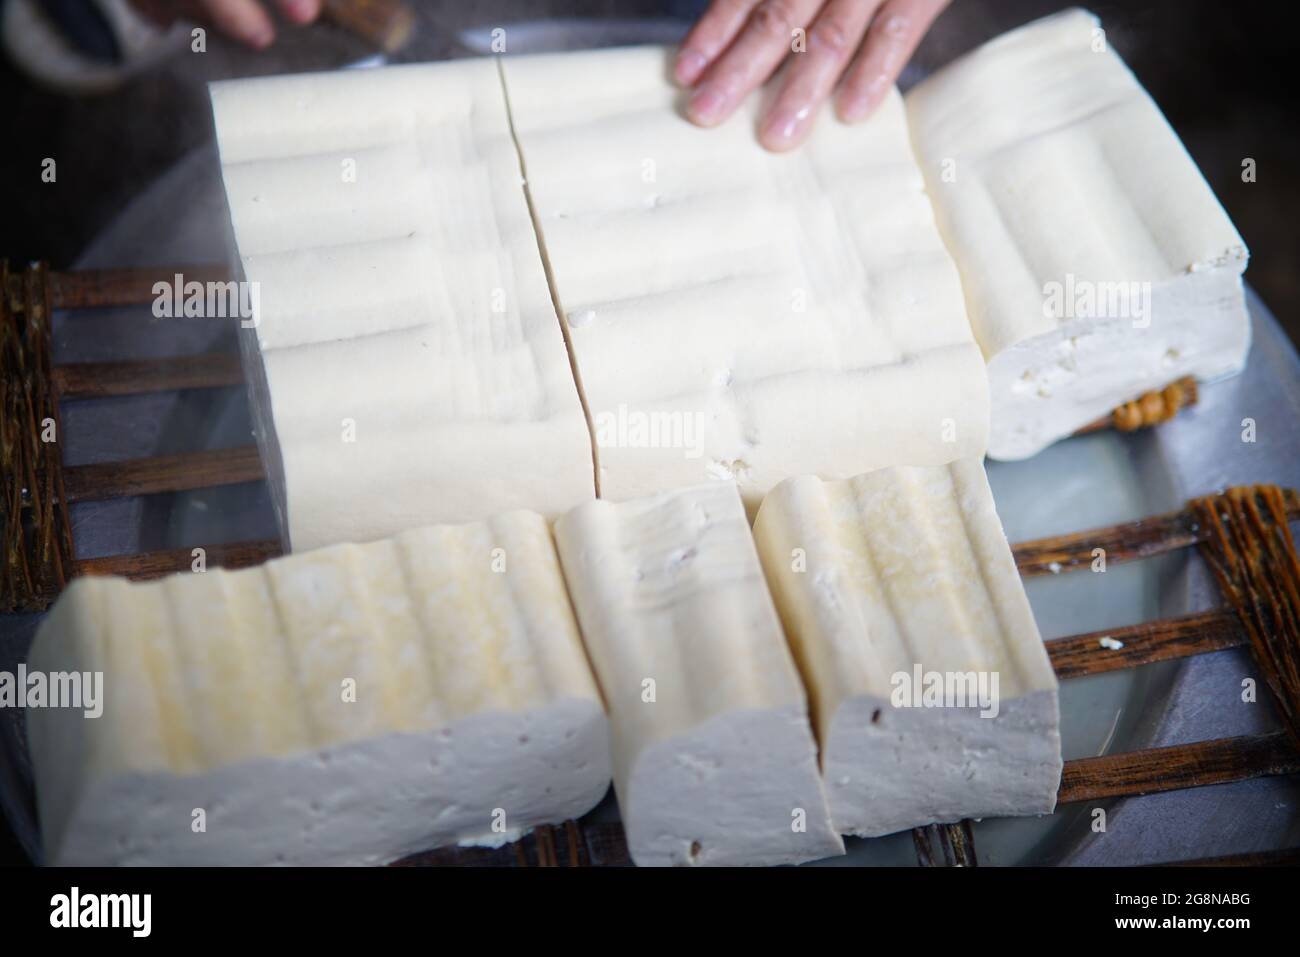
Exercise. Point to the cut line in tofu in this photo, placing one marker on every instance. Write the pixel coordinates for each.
(902, 603)
(723, 313)
(714, 759)
(736, 314)
(1096, 261)
(351, 705)
(659, 305)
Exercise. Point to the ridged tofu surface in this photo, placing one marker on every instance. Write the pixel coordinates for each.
(714, 758)
(349, 705)
(931, 690)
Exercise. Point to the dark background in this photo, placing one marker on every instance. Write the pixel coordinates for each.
(1220, 71)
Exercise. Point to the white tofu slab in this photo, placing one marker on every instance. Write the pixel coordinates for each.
(408, 366)
(345, 706)
(733, 313)
(1097, 263)
(882, 582)
(714, 759)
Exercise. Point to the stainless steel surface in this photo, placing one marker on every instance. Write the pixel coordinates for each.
(556, 35)
(1203, 450)
(1084, 482)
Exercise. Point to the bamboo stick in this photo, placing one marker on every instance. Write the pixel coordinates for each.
(1164, 639)
(1220, 761)
(94, 380)
(158, 564)
(104, 288)
(1126, 542)
(945, 845)
(165, 473)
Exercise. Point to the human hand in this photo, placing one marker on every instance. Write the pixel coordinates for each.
(861, 44)
(245, 20)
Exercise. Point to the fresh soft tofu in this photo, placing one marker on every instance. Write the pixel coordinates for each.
(714, 759)
(1096, 261)
(407, 355)
(882, 582)
(733, 313)
(347, 706)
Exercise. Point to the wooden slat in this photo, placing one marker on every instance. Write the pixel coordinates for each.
(157, 564)
(578, 855)
(1161, 640)
(945, 845)
(1154, 770)
(1127, 542)
(1121, 543)
(93, 380)
(165, 473)
(100, 288)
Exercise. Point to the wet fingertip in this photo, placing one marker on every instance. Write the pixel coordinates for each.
(783, 129)
(302, 11)
(688, 66)
(776, 143)
(853, 108)
(854, 112)
(707, 107)
(261, 37)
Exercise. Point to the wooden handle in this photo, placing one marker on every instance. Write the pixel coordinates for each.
(388, 24)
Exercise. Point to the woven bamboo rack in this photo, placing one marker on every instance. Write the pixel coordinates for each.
(1244, 533)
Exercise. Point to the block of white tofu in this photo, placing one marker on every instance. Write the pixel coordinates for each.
(714, 758)
(736, 314)
(350, 705)
(407, 366)
(1097, 263)
(933, 697)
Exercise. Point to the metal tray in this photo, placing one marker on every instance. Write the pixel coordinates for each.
(1084, 482)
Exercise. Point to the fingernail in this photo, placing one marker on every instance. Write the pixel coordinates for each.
(690, 64)
(262, 37)
(300, 10)
(854, 108)
(861, 105)
(784, 128)
(706, 105)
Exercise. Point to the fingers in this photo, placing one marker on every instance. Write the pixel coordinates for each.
(756, 52)
(832, 40)
(894, 34)
(248, 21)
(709, 37)
(299, 11)
(245, 20)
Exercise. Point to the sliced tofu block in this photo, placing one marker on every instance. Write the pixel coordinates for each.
(734, 313)
(1096, 261)
(407, 365)
(714, 759)
(345, 706)
(891, 586)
